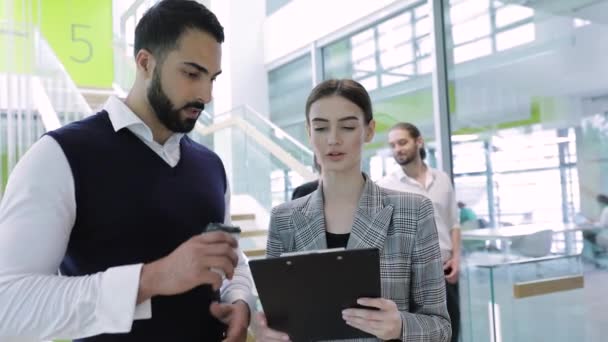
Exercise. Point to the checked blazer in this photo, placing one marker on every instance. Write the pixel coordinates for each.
(402, 227)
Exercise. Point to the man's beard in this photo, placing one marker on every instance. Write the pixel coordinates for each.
(404, 160)
(165, 110)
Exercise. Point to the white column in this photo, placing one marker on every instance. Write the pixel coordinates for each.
(243, 83)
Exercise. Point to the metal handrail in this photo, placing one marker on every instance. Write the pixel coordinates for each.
(276, 129)
(280, 131)
(261, 139)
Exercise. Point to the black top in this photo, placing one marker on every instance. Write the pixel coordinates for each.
(304, 189)
(337, 240)
(132, 207)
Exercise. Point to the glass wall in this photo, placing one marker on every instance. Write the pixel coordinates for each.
(528, 87)
(395, 50)
(275, 5)
(288, 88)
(392, 59)
(527, 99)
(527, 104)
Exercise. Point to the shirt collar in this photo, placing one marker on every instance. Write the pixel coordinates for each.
(403, 177)
(121, 116)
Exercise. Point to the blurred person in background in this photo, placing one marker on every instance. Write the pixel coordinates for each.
(415, 176)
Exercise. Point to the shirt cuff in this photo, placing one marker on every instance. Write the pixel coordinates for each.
(234, 294)
(143, 310)
(116, 306)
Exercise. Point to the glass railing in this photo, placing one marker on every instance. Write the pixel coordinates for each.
(205, 120)
(254, 152)
(523, 299)
(292, 146)
(36, 93)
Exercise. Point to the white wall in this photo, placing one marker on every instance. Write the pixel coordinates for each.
(301, 22)
(243, 80)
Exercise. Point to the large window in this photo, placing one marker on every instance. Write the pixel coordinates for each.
(480, 28)
(392, 59)
(288, 87)
(516, 124)
(275, 5)
(395, 50)
(534, 152)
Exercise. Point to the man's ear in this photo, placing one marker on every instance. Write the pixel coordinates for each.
(420, 142)
(145, 63)
(370, 131)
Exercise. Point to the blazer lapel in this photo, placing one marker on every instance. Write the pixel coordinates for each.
(370, 225)
(310, 224)
(372, 219)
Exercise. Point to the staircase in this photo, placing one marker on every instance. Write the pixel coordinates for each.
(253, 238)
(252, 218)
(253, 148)
(95, 98)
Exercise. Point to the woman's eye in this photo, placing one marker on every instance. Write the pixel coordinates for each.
(349, 128)
(320, 129)
(191, 74)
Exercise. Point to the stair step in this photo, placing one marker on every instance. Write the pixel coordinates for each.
(255, 253)
(247, 225)
(96, 97)
(254, 245)
(253, 233)
(242, 217)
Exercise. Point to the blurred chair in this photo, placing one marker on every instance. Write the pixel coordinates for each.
(602, 240)
(534, 245)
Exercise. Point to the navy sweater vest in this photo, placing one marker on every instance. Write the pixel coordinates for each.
(132, 207)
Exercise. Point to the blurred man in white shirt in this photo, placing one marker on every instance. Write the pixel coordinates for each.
(415, 176)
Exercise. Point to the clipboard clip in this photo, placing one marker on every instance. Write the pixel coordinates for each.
(316, 251)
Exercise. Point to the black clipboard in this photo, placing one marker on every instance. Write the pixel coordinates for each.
(304, 295)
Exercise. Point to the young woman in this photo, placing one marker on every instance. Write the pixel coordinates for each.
(349, 210)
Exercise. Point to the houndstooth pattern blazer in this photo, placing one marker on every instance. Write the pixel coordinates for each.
(401, 225)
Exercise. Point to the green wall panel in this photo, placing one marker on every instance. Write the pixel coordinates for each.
(79, 32)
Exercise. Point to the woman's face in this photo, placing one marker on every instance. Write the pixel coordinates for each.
(337, 131)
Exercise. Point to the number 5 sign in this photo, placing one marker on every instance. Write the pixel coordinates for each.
(77, 37)
(80, 33)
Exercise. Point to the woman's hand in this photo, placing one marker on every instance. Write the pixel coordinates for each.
(264, 334)
(384, 323)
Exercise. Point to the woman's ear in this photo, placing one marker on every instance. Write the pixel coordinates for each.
(370, 131)
(307, 130)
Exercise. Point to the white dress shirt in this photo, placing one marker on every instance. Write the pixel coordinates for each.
(37, 214)
(438, 188)
(604, 217)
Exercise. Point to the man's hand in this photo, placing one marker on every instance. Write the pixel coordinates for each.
(189, 265)
(236, 316)
(264, 334)
(453, 267)
(386, 323)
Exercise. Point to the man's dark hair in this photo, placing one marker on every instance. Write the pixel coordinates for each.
(602, 199)
(162, 25)
(414, 133)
